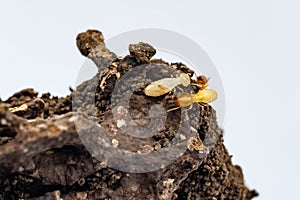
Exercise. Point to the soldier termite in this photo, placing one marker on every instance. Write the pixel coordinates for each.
(165, 85)
(202, 96)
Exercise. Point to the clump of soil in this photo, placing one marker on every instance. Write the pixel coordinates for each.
(43, 154)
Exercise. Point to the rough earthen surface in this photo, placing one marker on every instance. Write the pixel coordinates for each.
(42, 155)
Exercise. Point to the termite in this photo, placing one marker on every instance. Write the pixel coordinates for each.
(202, 96)
(202, 81)
(165, 85)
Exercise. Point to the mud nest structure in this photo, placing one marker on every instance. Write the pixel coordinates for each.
(42, 155)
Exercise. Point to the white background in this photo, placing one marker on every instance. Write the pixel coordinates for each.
(254, 44)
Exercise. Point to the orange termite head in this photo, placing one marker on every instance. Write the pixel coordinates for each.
(202, 80)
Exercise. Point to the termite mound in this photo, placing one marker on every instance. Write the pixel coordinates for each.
(42, 157)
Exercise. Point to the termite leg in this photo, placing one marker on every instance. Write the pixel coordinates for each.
(201, 86)
(172, 109)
